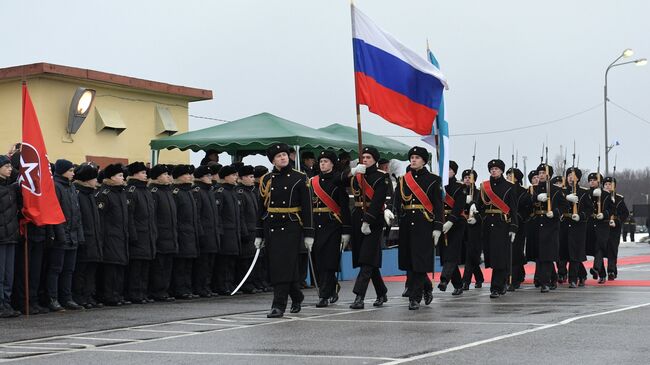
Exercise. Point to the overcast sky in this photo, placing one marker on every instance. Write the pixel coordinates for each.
(508, 63)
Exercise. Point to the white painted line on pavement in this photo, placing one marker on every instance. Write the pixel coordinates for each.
(425, 322)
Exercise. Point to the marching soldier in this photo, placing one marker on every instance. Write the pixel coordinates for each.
(368, 218)
(548, 225)
(454, 231)
(498, 207)
(418, 203)
(598, 226)
(167, 239)
(619, 214)
(530, 225)
(518, 258)
(332, 224)
(573, 231)
(285, 225)
(142, 233)
(188, 231)
(473, 234)
(203, 267)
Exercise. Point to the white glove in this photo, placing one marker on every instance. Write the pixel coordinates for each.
(542, 197)
(549, 214)
(436, 237)
(575, 217)
(600, 216)
(597, 192)
(359, 169)
(345, 241)
(471, 220)
(572, 198)
(365, 228)
(612, 223)
(469, 199)
(309, 243)
(473, 210)
(259, 243)
(447, 226)
(388, 217)
(512, 236)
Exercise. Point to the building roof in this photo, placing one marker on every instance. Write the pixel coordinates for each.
(35, 69)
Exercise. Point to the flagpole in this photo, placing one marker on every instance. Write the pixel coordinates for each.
(26, 245)
(358, 109)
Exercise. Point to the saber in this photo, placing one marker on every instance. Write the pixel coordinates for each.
(313, 272)
(250, 269)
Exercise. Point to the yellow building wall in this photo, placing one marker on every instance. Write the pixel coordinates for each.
(51, 97)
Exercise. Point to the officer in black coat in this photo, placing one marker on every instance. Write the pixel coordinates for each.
(518, 258)
(284, 227)
(9, 205)
(261, 270)
(189, 231)
(498, 207)
(420, 224)
(203, 267)
(619, 214)
(367, 226)
(249, 212)
(233, 228)
(473, 233)
(598, 226)
(89, 255)
(332, 222)
(62, 255)
(453, 229)
(573, 231)
(167, 239)
(114, 218)
(143, 233)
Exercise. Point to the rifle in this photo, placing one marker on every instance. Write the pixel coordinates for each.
(575, 180)
(471, 173)
(548, 184)
(512, 163)
(600, 204)
(564, 170)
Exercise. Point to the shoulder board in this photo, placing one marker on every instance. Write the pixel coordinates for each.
(197, 189)
(619, 195)
(585, 189)
(300, 172)
(175, 191)
(106, 191)
(131, 188)
(220, 190)
(154, 189)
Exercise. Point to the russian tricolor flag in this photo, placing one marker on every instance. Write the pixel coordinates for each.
(393, 81)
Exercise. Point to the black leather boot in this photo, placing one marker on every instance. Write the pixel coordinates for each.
(358, 303)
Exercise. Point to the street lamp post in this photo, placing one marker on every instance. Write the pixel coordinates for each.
(640, 62)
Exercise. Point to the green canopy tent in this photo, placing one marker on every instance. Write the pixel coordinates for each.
(253, 135)
(388, 148)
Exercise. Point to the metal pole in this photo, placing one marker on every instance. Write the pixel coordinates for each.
(606, 142)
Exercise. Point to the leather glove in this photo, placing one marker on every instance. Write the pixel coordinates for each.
(259, 243)
(572, 198)
(309, 243)
(549, 214)
(575, 217)
(600, 216)
(597, 192)
(469, 199)
(612, 223)
(473, 210)
(436, 237)
(512, 236)
(359, 169)
(447, 226)
(471, 220)
(388, 217)
(542, 197)
(345, 241)
(365, 228)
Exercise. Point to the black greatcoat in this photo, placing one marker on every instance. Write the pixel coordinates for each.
(114, 218)
(497, 226)
(283, 232)
(523, 212)
(232, 222)
(598, 229)
(416, 226)
(329, 227)
(209, 240)
(474, 232)
(548, 229)
(166, 219)
(143, 230)
(574, 234)
(188, 221)
(69, 234)
(9, 201)
(451, 244)
(91, 250)
(248, 195)
(366, 250)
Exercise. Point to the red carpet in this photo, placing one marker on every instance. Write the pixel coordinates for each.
(530, 271)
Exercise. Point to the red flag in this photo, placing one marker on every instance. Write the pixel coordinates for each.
(40, 204)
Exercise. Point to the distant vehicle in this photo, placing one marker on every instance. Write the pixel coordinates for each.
(641, 229)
